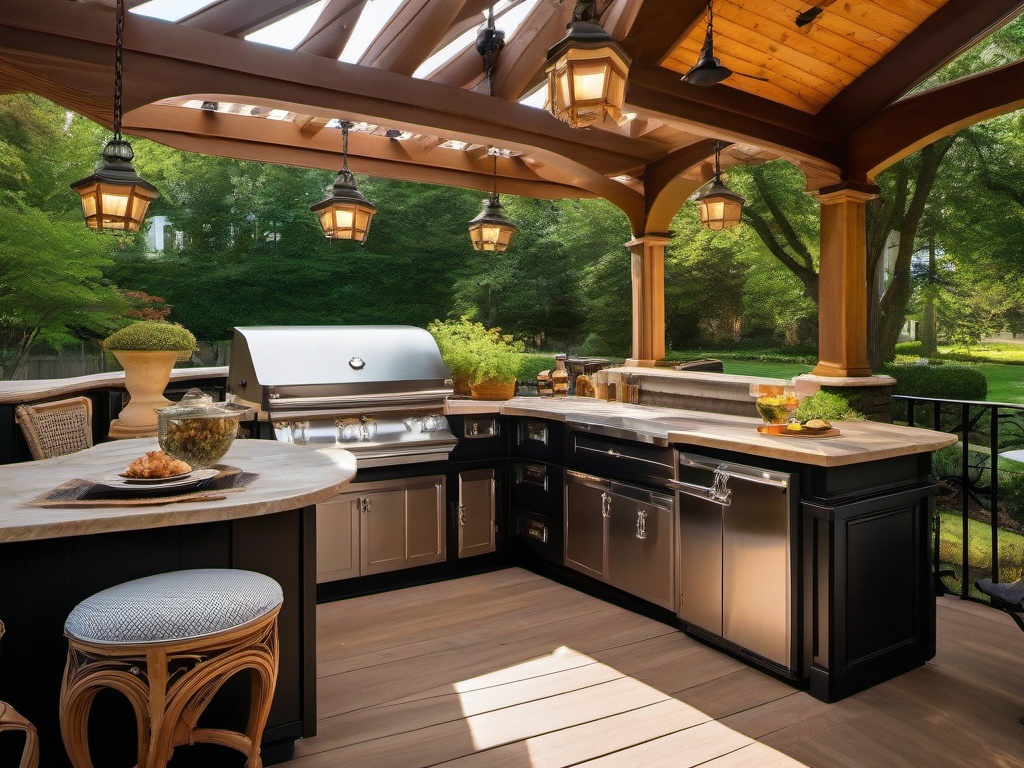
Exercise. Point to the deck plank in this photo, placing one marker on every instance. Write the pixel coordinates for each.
(511, 670)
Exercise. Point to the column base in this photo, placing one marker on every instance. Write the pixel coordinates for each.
(871, 395)
(120, 431)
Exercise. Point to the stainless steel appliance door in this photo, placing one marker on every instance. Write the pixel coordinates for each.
(700, 563)
(756, 575)
(587, 506)
(640, 548)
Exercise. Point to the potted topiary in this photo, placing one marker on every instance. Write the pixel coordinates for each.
(482, 360)
(147, 351)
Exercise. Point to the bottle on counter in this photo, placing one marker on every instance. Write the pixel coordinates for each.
(544, 384)
(560, 377)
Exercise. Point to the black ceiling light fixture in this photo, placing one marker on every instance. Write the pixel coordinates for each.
(115, 197)
(709, 70)
(720, 207)
(491, 230)
(345, 214)
(806, 17)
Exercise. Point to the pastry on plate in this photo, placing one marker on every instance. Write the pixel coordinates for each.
(156, 464)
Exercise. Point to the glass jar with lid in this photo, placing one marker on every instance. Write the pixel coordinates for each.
(197, 430)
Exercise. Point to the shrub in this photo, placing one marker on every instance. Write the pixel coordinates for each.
(153, 335)
(911, 348)
(951, 382)
(534, 364)
(595, 346)
(828, 406)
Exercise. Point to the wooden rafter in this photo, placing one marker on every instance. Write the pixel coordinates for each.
(521, 62)
(236, 18)
(954, 27)
(411, 35)
(330, 33)
(660, 25)
(919, 120)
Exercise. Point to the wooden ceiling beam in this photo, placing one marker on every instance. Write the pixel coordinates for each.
(666, 186)
(728, 114)
(659, 26)
(953, 28)
(914, 122)
(411, 35)
(281, 142)
(522, 60)
(237, 18)
(330, 33)
(173, 60)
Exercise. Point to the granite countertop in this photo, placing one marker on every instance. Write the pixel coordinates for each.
(18, 392)
(859, 441)
(290, 477)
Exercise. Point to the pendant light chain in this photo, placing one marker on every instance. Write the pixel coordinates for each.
(345, 125)
(718, 167)
(118, 67)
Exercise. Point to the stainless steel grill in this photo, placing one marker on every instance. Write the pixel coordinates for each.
(375, 390)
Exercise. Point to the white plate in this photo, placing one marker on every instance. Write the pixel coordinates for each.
(116, 482)
(154, 480)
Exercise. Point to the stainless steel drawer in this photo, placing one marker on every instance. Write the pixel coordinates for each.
(540, 535)
(623, 459)
(537, 487)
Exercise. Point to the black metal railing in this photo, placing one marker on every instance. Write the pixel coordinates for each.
(982, 484)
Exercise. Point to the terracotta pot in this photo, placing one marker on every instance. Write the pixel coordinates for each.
(494, 390)
(146, 374)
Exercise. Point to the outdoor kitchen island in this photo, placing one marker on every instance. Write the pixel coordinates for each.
(53, 557)
(808, 557)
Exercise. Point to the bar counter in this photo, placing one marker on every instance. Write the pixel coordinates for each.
(52, 558)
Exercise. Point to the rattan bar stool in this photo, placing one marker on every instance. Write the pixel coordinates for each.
(56, 428)
(168, 643)
(10, 720)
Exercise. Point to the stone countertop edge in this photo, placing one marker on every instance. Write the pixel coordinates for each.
(291, 477)
(858, 441)
(35, 390)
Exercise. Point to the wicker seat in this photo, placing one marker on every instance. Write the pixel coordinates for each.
(168, 643)
(10, 720)
(56, 428)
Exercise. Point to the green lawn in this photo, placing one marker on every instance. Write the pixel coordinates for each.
(772, 370)
(979, 549)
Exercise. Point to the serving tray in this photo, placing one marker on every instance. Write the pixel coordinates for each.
(831, 432)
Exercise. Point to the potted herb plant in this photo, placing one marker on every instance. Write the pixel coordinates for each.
(483, 361)
(147, 351)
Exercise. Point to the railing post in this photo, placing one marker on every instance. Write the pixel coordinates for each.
(965, 498)
(993, 450)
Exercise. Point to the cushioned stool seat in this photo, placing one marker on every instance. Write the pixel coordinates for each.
(168, 643)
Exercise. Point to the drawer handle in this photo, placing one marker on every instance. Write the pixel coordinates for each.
(641, 524)
(537, 531)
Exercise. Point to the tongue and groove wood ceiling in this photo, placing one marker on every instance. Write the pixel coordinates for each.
(833, 102)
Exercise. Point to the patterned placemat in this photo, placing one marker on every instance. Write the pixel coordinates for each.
(85, 493)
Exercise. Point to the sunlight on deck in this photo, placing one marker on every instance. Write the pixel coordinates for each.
(627, 722)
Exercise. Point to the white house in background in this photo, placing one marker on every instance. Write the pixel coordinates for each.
(161, 234)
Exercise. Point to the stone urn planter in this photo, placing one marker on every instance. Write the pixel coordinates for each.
(146, 374)
(147, 351)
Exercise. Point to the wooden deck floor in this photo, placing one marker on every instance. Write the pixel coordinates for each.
(511, 669)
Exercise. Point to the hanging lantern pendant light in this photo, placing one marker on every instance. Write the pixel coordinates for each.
(587, 72)
(720, 207)
(346, 213)
(115, 196)
(492, 230)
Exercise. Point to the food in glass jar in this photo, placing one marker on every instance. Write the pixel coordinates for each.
(200, 441)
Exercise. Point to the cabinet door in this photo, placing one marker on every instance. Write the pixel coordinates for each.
(476, 512)
(424, 521)
(337, 538)
(585, 528)
(382, 531)
(640, 549)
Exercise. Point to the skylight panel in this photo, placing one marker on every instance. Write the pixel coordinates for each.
(538, 99)
(289, 31)
(170, 10)
(375, 14)
(507, 17)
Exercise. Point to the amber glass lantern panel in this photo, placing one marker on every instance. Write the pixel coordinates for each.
(490, 237)
(346, 221)
(586, 84)
(109, 205)
(719, 211)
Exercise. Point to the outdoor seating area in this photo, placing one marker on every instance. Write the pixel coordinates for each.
(638, 467)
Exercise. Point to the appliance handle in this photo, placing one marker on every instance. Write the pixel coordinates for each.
(778, 480)
(706, 492)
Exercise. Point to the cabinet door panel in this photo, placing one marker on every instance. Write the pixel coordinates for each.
(476, 512)
(337, 538)
(584, 529)
(640, 550)
(383, 532)
(424, 541)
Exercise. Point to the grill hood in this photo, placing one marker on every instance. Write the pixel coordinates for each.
(312, 367)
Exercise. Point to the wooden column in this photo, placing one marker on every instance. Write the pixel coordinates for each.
(648, 260)
(842, 285)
